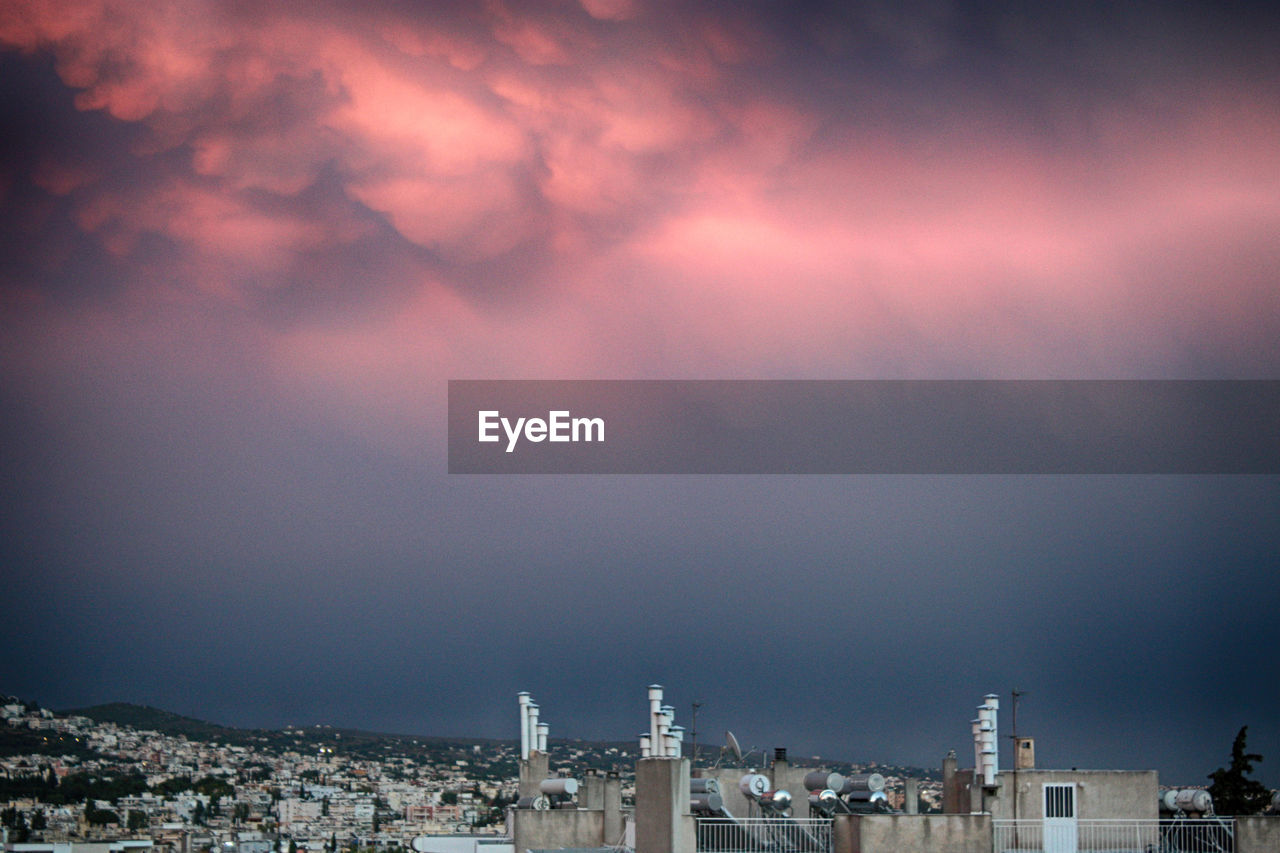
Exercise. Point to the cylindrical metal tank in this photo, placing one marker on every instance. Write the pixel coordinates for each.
(753, 785)
(862, 782)
(823, 801)
(557, 787)
(537, 803)
(818, 780)
(709, 802)
(778, 801)
(1194, 800)
(704, 786)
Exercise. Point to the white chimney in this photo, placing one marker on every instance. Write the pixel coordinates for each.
(665, 717)
(543, 731)
(675, 736)
(655, 714)
(993, 702)
(523, 696)
(987, 743)
(533, 726)
(645, 750)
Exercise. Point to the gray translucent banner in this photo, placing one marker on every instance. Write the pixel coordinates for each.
(863, 427)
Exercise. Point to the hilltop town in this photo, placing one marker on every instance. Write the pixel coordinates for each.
(116, 772)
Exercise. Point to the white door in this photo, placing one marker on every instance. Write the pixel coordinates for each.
(1060, 818)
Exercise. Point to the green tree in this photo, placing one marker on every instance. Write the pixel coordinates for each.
(1233, 792)
(39, 822)
(20, 833)
(99, 817)
(137, 820)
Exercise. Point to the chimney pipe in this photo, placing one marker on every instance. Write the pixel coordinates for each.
(655, 714)
(665, 717)
(993, 702)
(675, 735)
(523, 697)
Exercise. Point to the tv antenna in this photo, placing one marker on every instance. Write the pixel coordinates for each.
(1017, 694)
(693, 730)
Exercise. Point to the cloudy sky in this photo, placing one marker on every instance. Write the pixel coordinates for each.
(243, 248)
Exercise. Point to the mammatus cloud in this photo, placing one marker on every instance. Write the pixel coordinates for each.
(618, 189)
(242, 247)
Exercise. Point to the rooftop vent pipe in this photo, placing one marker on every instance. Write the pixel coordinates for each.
(523, 697)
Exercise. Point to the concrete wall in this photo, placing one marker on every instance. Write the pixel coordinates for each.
(663, 821)
(613, 819)
(728, 779)
(591, 791)
(782, 775)
(1258, 834)
(544, 830)
(532, 772)
(1100, 794)
(901, 833)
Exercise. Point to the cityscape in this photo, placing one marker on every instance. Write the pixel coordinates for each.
(76, 777)
(832, 363)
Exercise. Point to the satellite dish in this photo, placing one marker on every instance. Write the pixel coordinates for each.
(732, 743)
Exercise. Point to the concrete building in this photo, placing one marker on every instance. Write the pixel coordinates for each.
(986, 809)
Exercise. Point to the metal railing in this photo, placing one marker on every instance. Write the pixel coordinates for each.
(1185, 835)
(764, 835)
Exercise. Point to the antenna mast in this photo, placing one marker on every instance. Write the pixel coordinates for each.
(693, 732)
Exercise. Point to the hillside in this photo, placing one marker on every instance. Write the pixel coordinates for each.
(498, 755)
(146, 718)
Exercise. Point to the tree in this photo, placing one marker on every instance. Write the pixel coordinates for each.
(95, 816)
(1233, 792)
(20, 833)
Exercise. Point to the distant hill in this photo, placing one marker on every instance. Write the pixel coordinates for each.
(376, 745)
(145, 717)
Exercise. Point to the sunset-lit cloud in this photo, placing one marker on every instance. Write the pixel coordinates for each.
(244, 246)
(603, 190)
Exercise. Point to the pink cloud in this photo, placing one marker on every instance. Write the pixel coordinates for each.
(604, 192)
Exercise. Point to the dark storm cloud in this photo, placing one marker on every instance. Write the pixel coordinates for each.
(243, 250)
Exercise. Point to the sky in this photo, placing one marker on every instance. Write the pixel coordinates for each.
(243, 248)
